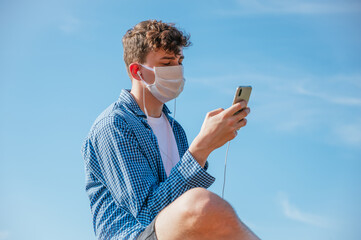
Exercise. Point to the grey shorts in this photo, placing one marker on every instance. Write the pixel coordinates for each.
(149, 232)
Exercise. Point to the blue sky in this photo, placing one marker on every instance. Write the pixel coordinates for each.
(293, 172)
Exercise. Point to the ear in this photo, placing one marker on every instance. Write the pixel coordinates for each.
(134, 70)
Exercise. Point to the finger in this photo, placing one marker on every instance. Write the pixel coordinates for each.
(215, 112)
(239, 116)
(242, 114)
(232, 135)
(235, 108)
(241, 124)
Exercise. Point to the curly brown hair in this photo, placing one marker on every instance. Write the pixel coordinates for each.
(151, 35)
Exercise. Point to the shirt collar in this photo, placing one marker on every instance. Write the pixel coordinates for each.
(127, 99)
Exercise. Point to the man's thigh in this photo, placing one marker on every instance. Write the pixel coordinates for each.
(170, 222)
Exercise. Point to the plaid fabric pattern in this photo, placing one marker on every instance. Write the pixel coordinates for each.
(125, 178)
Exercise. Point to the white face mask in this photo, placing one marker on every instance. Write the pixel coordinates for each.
(168, 84)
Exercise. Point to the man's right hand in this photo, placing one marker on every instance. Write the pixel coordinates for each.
(219, 127)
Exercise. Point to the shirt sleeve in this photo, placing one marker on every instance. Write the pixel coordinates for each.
(124, 170)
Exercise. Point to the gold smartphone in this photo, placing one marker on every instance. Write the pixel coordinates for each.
(242, 93)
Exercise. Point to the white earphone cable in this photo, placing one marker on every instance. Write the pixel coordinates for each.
(225, 169)
(145, 109)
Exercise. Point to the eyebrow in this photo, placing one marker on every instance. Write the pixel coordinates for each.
(171, 58)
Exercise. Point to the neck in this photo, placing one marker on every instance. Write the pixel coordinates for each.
(153, 105)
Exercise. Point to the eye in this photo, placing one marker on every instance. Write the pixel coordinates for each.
(166, 64)
(180, 62)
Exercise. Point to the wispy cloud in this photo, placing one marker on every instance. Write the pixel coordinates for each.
(70, 25)
(300, 7)
(295, 87)
(349, 133)
(294, 102)
(332, 98)
(294, 213)
(4, 235)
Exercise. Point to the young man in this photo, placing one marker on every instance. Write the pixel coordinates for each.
(143, 180)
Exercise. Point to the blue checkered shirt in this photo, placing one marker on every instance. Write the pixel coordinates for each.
(125, 178)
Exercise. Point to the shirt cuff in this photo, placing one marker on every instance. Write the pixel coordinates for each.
(193, 174)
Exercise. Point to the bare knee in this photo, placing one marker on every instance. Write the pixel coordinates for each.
(199, 201)
(200, 214)
(203, 208)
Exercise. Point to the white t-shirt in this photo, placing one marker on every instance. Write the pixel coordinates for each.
(166, 141)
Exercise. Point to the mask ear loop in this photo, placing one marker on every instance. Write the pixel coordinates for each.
(145, 109)
(175, 105)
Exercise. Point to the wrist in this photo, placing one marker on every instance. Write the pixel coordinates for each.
(199, 152)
